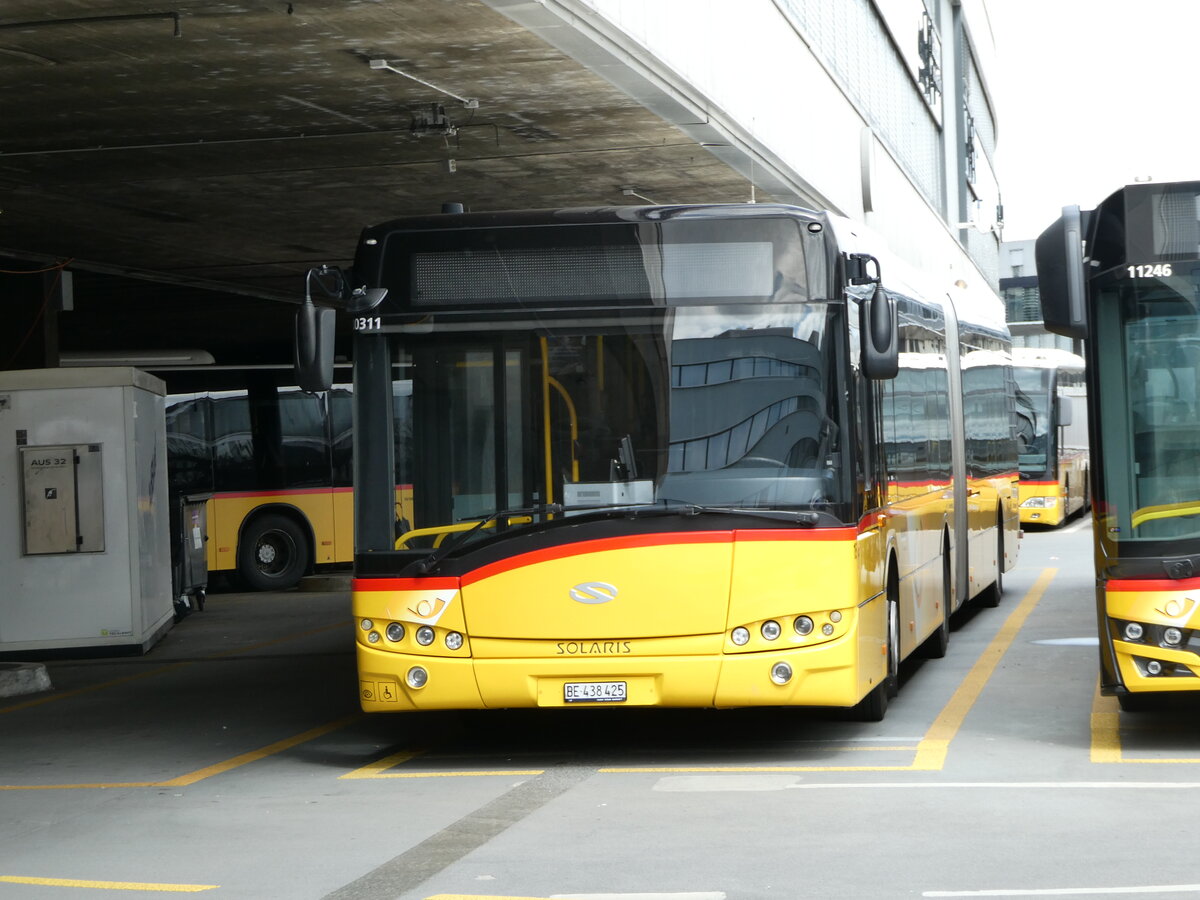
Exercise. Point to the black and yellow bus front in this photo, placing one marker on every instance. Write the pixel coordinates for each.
(1144, 398)
(634, 473)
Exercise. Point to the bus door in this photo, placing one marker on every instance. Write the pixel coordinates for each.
(471, 419)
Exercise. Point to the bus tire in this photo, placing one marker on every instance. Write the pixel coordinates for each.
(990, 596)
(272, 553)
(938, 643)
(873, 707)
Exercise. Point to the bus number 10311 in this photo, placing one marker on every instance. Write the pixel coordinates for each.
(367, 323)
(1158, 270)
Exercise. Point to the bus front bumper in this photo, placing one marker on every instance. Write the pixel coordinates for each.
(826, 675)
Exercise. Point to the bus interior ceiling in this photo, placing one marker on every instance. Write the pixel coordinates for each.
(189, 166)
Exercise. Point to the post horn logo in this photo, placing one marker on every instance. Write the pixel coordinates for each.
(593, 592)
(425, 609)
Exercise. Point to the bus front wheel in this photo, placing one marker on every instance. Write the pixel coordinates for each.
(273, 553)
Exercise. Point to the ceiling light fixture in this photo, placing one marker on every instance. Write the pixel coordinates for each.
(467, 102)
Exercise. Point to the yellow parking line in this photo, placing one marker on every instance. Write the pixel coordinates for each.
(262, 753)
(1106, 737)
(207, 771)
(931, 754)
(379, 769)
(225, 654)
(109, 885)
(932, 749)
(1106, 729)
(65, 695)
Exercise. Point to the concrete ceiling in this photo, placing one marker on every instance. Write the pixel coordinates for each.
(231, 145)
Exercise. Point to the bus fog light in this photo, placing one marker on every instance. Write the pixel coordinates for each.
(827, 629)
(454, 640)
(1133, 631)
(1154, 667)
(1172, 636)
(740, 636)
(395, 632)
(373, 637)
(781, 673)
(803, 625)
(424, 635)
(366, 624)
(771, 630)
(417, 677)
(835, 616)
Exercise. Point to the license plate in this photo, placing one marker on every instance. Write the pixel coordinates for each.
(594, 692)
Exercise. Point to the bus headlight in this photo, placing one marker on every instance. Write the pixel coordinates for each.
(803, 626)
(1172, 636)
(417, 677)
(395, 632)
(771, 630)
(1133, 631)
(1038, 503)
(454, 640)
(740, 636)
(424, 635)
(366, 624)
(1154, 667)
(373, 637)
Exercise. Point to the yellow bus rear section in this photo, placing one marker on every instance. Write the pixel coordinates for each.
(655, 613)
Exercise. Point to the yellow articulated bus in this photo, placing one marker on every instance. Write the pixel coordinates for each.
(1125, 278)
(1052, 439)
(275, 465)
(700, 456)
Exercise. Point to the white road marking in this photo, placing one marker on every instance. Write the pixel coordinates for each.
(1070, 642)
(1066, 892)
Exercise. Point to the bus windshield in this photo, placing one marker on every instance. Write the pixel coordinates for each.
(1149, 432)
(732, 406)
(1033, 421)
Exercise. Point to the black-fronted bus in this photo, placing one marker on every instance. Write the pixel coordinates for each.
(1126, 278)
(670, 456)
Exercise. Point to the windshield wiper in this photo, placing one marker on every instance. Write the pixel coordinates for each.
(795, 516)
(426, 564)
(684, 508)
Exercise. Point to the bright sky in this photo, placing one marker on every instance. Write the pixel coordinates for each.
(1092, 95)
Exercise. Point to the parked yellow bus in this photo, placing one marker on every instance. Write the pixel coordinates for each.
(1052, 439)
(707, 456)
(275, 463)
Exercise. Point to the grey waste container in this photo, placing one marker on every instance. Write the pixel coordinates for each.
(189, 552)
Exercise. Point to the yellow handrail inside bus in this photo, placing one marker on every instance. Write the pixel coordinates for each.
(557, 385)
(1168, 511)
(442, 531)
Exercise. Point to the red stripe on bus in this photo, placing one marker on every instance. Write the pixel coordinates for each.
(601, 545)
(286, 492)
(1041, 483)
(404, 584)
(1152, 585)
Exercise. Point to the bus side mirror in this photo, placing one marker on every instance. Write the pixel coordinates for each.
(1063, 410)
(1059, 255)
(314, 347)
(880, 330)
